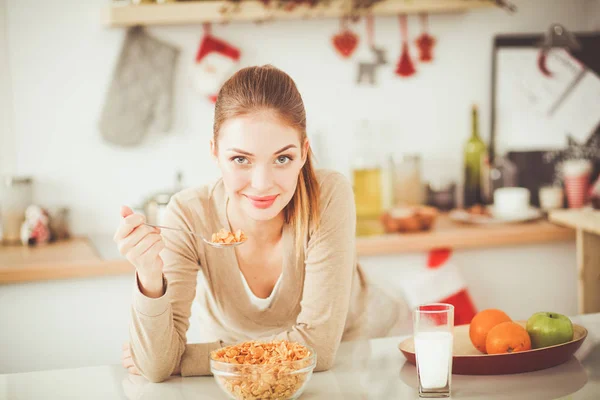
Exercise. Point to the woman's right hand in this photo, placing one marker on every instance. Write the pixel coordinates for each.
(141, 245)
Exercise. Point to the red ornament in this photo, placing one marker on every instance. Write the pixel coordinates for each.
(542, 57)
(425, 42)
(405, 65)
(345, 42)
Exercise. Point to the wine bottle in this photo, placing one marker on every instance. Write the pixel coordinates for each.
(475, 151)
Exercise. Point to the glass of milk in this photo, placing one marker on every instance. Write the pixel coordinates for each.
(433, 336)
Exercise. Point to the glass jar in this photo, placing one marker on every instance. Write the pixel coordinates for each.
(367, 181)
(408, 187)
(15, 196)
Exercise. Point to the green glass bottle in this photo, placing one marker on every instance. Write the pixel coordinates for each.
(475, 152)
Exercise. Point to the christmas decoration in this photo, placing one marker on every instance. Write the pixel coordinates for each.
(141, 90)
(425, 42)
(345, 41)
(368, 69)
(360, 7)
(216, 61)
(441, 282)
(35, 230)
(405, 67)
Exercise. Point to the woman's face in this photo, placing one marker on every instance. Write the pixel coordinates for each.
(260, 158)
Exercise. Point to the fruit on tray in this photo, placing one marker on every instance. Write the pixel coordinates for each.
(507, 337)
(482, 323)
(548, 329)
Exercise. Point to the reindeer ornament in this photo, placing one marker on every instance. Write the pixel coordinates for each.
(367, 71)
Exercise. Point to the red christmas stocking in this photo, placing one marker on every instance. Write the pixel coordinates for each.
(216, 61)
(441, 282)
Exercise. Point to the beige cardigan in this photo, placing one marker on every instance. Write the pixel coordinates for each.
(321, 298)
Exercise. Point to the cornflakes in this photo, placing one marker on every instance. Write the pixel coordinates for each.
(264, 370)
(226, 237)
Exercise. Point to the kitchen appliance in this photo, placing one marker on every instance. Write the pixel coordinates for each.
(155, 205)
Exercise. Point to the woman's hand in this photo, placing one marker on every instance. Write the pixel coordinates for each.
(141, 245)
(127, 361)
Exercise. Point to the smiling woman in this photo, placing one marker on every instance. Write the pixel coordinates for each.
(296, 276)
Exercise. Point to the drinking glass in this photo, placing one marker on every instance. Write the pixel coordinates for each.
(433, 336)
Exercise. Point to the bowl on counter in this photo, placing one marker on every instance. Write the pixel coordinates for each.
(283, 380)
(409, 219)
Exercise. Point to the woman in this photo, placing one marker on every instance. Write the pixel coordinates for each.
(295, 278)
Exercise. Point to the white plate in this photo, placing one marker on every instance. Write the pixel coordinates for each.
(465, 217)
(527, 215)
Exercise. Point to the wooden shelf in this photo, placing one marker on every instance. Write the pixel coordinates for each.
(196, 12)
(449, 234)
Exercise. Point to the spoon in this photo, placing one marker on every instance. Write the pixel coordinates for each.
(213, 244)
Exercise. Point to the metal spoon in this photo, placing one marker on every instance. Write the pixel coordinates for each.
(213, 244)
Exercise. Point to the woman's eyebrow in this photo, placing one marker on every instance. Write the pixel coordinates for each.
(289, 146)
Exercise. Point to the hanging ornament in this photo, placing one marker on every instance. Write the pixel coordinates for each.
(425, 42)
(216, 61)
(345, 41)
(368, 69)
(405, 65)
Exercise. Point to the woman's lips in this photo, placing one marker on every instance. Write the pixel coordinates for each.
(262, 201)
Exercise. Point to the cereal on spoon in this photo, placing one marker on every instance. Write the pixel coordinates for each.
(226, 237)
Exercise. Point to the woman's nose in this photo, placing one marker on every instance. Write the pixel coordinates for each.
(262, 179)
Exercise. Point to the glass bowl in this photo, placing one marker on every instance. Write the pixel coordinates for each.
(284, 380)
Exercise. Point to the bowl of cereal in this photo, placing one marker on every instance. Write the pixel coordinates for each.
(263, 370)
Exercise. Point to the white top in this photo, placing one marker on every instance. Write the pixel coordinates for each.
(261, 304)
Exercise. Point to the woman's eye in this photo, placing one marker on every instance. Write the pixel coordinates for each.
(240, 160)
(283, 159)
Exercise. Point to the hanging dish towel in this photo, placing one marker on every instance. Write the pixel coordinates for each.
(140, 95)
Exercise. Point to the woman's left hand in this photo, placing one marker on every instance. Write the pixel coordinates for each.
(127, 361)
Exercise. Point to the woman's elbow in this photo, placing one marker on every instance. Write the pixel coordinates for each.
(156, 375)
(325, 361)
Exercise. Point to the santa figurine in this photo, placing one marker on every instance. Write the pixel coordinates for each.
(36, 229)
(216, 61)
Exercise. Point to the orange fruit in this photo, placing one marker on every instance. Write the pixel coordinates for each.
(507, 337)
(482, 323)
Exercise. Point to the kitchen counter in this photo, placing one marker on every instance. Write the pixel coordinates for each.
(447, 233)
(373, 369)
(73, 258)
(586, 223)
(98, 255)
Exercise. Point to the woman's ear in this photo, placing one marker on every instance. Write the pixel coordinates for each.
(213, 149)
(305, 149)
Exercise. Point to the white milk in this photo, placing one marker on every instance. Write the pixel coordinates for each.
(434, 357)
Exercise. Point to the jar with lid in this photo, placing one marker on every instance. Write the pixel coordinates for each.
(16, 194)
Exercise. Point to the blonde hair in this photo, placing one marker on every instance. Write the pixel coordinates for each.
(260, 88)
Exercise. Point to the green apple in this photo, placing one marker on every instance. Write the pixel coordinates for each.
(549, 329)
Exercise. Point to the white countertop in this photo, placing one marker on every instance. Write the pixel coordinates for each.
(364, 370)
